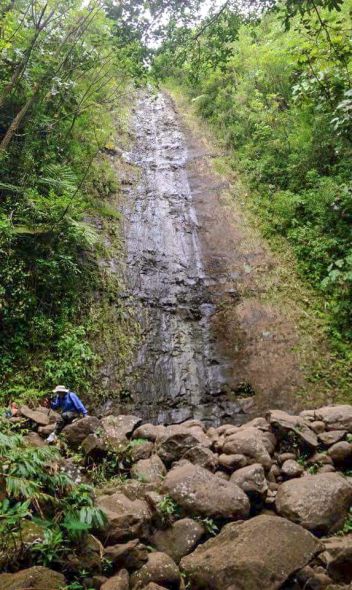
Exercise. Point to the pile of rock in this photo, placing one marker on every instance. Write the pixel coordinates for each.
(245, 507)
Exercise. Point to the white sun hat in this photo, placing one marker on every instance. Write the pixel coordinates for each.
(60, 389)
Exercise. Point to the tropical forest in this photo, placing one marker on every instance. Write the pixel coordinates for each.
(175, 294)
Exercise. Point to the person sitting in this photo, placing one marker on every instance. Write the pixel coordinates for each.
(71, 407)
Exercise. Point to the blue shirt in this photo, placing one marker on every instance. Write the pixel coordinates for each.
(70, 402)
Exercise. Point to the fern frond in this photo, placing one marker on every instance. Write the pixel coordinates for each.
(59, 177)
(87, 232)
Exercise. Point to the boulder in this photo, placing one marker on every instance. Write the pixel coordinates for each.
(39, 417)
(179, 539)
(338, 556)
(15, 549)
(94, 446)
(319, 503)
(336, 417)
(251, 479)
(33, 439)
(142, 451)
(232, 462)
(131, 555)
(318, 426)
(88, 557)
(36, 578)
(176, 441)
(291, 468)
(152, 586)
(46, 430)
(222, 475)
(203, 457)
(341, 454)
(331, 437)
(126, 518)
(160, 569)
(282, 457)
(319, 459)
(200, 492)
(76, 432)
(198, 430)
(98, 581)
(248, 442)
(312, 579)
(120, 427)
(149, 470)
(150, 432)
(260, 553)
(119, 582)
(284, 424)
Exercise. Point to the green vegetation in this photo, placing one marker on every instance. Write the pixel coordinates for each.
(64, 81)
(280, 100)
(44, 515)
(168, 509)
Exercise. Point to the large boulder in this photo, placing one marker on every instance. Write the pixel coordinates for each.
(119, 428)
(200, 492)
(260, 553)
(179, 539)
(119, 582)
(149, 470)
(160, 569)
(291, 468)
(331, 437)
(294, 427)
(131, 555)
(76, 432)
(248, 442)
(202, 456)
(179, 439)
(36, 578)
(39, 417)
(341, 454)
(33, 439)
(335, 417)
(142, 450)
(149, 432)
(126, 518)
(338, 557)
(251, 479)
(319, 503)
(94, 447)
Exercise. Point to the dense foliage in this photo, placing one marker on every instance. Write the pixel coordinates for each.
(281, 99)
(63, 78)
(44, 515)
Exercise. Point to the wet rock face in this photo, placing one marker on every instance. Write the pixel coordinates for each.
(179, 372)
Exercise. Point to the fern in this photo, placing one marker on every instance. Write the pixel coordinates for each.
(35, 488)
(58, 177)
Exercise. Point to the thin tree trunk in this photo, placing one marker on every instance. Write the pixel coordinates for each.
(17, 121)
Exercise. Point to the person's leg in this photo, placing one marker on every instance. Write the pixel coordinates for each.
(65, 418)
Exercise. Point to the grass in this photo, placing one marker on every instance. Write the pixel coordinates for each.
(327, 372)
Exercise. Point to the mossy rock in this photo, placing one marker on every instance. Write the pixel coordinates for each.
(36, 578)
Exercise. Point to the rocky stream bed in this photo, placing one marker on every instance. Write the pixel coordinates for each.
(264, 505)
